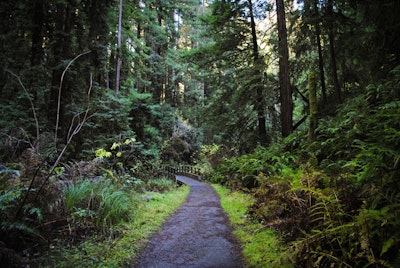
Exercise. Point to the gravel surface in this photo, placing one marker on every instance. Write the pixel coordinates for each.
(197, 235)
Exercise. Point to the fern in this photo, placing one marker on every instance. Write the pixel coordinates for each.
(9, 201)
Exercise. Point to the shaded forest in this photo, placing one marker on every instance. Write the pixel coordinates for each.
(294, 102)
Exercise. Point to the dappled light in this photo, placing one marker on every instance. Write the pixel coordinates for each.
(289, 109)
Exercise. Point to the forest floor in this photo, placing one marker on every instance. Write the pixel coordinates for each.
(199, 234)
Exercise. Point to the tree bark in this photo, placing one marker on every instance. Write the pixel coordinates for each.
(119, 60)
(262, 130)
(320, 56)
(284, 79)
(63, 27)
(36, 47)
(312, 89)
(331, 37)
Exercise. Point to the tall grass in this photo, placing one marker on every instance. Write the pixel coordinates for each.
(115, 206)
(97, 204)
(160, 184)
(118, 251)
(261, 246)
(78, 195)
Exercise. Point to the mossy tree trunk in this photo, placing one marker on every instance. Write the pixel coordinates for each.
(312, 88)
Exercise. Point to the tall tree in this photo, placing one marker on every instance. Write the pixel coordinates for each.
(331, 36)
(284, 78)
(233, 69)
(62, 37)
(258, 66)
(119, 58)
(320, 55)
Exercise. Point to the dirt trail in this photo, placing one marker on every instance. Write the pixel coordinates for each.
(197, 235)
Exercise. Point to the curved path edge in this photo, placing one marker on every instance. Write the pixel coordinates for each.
(197, 235)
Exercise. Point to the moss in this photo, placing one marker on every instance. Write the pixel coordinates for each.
(121, 247)
(261, 246)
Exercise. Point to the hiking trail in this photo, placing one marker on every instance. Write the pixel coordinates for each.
(198, 235)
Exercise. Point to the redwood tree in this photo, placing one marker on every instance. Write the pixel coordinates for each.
(262, 131)
(284, 79)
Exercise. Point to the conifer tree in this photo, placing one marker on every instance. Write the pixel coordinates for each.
(284, 75)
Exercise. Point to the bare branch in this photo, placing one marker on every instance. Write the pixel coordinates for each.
(71, 134)
(32, 107)
(59, 95)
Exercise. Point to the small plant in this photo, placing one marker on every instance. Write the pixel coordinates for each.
(10, 226)
(115, 206)
(261, 246)
(242, 171)
(160, 184)
(96, 204)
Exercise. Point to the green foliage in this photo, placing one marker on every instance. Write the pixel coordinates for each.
(243, 171)
(182, 146)
(261, 246)
(10, 224)
(210, 156)
(115, 206)
(160, 185)
(336, 201)
(346, 177)
(96, 204)
(118, 249)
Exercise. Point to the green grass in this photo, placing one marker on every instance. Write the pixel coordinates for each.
(122, 246)
(261, 246)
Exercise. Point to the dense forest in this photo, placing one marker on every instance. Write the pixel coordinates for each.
(295, 102)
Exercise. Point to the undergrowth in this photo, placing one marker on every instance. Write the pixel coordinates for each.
(118, 249)
(261, 246)
(336, 201)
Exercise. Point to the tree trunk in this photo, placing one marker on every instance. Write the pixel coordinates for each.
(262, 130)
(284, 79)
(37, 39)
(320, 56)
(61, 51)
(119, 60)
(331, 37)
(312, 89)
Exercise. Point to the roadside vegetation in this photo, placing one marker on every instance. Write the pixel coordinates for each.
(86, 214)
(295, 104)
(261, 246)
(334, 201)
(147, 212)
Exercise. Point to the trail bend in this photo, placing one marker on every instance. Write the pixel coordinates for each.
(197, 235)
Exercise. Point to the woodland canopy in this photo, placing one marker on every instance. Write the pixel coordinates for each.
(294, 102)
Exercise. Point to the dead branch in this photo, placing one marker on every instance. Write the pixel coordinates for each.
(59, 95)
(71, 134)
(32, 107)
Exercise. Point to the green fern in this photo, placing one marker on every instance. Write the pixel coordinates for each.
(9, 201)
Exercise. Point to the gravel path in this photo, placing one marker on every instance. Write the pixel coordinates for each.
(197, 235)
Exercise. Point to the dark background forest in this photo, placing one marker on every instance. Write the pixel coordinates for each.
(294, 102)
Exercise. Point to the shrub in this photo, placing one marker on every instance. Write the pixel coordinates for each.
(95, 205)
(13, 227)
(242, 171)
(160, 185)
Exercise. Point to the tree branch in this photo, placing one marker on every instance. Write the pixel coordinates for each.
(59, 95)
(32, 107)
(71, 134)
